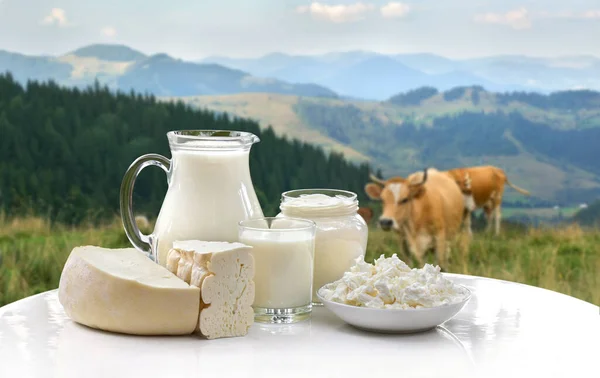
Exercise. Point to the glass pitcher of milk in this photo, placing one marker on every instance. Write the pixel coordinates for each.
(210, 190)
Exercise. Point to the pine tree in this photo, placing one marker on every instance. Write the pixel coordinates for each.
(63, 152)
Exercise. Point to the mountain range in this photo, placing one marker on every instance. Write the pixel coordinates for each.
(354, 74)
(120, 67)
(377, 76)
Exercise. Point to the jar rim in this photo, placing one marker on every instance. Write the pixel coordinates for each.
(323, 211)
(295, 193)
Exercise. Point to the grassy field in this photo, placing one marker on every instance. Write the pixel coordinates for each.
(567, 260)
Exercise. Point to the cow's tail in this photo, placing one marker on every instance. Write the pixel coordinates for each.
(520, 190)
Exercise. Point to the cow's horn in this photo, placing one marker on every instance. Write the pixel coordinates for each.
(424, 176)
(376, 179)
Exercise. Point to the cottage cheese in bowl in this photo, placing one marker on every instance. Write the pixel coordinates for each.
(390, 283)
(391, 297)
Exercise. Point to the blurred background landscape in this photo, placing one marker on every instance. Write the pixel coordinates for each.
(335, 90)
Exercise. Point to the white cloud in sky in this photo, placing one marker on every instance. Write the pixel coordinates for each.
(517, 19)
(57, 16)
(591, 14)
(395, 10)
(337, 13)
(109, 31)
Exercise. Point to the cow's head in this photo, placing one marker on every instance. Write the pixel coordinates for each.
(396, 194)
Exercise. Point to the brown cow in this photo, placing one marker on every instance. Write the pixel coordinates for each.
(426, 208)
(483, 187)
(366, 213)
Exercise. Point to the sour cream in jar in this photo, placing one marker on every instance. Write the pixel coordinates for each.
(341, 234)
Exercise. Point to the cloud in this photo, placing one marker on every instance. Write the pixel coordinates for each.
(586, 15)
(517, 19)
(109, 31)
(591, 14)
(337, 13)
(56, 17)
(395, 10)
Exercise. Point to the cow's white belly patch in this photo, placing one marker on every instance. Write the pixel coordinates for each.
(469, 202)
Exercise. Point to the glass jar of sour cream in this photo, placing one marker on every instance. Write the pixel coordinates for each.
(341, 234)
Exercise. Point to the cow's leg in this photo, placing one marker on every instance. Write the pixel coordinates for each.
(467, 222)
(441, 249)
(414, 248)
(497, 219)
(489, 212)
(404, 249)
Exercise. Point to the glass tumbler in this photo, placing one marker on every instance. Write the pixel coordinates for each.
(283, 250)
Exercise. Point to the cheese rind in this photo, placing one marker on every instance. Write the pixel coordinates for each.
(121, 290)
(224, 272)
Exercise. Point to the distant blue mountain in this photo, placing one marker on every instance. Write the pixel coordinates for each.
(24, 67)
(354, 74)
(123, 68)
(347, 72)
(164, 75)
(111, 53)
(428, 63)
(377, 77)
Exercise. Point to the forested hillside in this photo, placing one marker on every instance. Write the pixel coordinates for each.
(63, 152)
(545, 143)
(508, 140)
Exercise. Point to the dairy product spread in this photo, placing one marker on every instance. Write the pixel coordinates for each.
(391, 284)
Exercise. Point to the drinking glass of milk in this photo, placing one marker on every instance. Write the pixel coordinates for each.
(341, 234)
(283, 250)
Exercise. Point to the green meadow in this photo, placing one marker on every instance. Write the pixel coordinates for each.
(565, 259)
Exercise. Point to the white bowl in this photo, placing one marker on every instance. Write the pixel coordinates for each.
(394, 320)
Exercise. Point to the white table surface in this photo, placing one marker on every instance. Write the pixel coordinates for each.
(506, 330)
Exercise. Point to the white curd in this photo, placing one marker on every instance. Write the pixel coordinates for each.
(390, 283)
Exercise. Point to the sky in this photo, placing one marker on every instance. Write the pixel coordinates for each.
(194, 29)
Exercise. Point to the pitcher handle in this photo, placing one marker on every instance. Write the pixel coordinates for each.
(140, 241)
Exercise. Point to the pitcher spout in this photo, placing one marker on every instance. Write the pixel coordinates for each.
(254, 139)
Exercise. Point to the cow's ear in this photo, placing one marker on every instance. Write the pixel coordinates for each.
(373, 191)
(416, 191)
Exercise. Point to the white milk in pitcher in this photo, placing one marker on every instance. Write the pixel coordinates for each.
(283, 269)
(209, 193)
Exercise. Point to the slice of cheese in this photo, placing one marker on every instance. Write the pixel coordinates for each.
(121, 290)
(225, 273)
